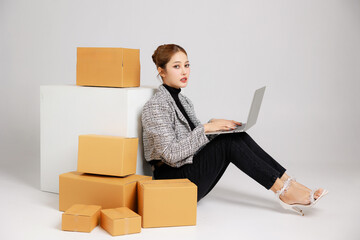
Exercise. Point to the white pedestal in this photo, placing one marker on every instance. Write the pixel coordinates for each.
(68, 111)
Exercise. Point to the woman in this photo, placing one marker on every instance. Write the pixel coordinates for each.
(176, 145)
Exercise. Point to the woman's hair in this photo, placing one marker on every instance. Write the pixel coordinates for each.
(163, 54)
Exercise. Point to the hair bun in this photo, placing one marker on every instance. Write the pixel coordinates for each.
(163, 54)
(154, 57)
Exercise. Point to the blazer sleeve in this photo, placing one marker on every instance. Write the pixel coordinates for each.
(158, 124)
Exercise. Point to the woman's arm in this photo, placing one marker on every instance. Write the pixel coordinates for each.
(158, 126)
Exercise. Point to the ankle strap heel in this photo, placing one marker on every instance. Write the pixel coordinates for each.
(285, 187)
(297, 207)
(281, 192)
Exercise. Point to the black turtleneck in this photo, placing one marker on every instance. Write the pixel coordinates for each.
(174, 92)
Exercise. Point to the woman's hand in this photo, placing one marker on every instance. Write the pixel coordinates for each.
(220, 125)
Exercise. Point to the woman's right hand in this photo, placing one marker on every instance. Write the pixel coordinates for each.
(220, 125)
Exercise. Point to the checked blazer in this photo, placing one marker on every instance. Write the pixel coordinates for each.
(167, 135)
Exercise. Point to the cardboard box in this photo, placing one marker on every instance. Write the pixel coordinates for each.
(166, 203)
(108, 67)
(120, 221)
(81, 218)
(107, 155)
(108, 192)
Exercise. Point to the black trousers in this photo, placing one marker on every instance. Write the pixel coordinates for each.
(211, 161)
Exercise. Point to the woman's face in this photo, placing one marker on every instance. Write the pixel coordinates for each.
(177, 71)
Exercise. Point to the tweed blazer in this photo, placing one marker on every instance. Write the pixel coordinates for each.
(167, 135)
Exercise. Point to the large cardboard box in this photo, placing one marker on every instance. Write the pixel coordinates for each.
(120, 221)
(107, 155)
(108, 67)
(81, 218)
(108, 192)
(166, 203)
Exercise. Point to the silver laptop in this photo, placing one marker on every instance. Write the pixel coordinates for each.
(253, 114)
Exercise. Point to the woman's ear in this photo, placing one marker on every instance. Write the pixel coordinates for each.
(161, 72)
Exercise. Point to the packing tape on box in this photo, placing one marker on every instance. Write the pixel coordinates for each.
(138, 180)
(76, 219)
(126, 226)
(77, 216)
(76, 222)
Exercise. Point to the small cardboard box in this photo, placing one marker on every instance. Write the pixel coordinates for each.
(166, 203)
(120, 221)
(107, 155)
(108, 67)
(81, 218)
(108, 192)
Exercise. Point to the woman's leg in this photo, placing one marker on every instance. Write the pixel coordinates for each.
(298, 193)
(261, 153)
(210, 163)
(253, 161)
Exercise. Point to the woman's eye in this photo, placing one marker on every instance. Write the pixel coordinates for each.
(178, 66)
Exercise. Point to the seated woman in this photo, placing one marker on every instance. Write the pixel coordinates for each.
(176, 145)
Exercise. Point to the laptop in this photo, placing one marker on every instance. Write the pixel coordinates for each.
(252, 117)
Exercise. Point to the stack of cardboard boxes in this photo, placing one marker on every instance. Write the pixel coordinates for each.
(105, 177)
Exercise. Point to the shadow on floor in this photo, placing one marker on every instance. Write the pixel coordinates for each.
(244, 199)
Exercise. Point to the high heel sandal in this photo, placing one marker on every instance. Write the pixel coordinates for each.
(297, 207)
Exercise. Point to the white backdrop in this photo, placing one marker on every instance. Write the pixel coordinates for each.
(306, 52)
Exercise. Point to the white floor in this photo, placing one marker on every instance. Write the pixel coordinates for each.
(238, 208)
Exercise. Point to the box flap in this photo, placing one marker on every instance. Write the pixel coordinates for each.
(105, 136)
(104, 179)
(82, 210)
(120, 213)
(168, 183)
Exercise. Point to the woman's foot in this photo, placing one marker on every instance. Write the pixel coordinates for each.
(298, 193)
(294, 196)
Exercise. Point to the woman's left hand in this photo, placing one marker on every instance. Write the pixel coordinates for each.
(221, 124)
(231, 122)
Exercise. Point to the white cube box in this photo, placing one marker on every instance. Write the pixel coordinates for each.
(67, 111)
